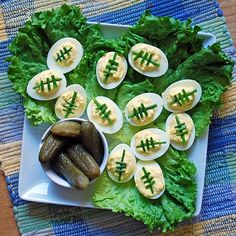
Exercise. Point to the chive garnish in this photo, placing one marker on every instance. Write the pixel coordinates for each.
(70, 106)
(62, 53)
(182, 98)
(141, 111)
(41, 86)
(148, 144)
(181, 129)
(104, 112)
(145, 57)
(148, 180)
(53, 80)
(48, 84)
(112, 65)
(121, 165)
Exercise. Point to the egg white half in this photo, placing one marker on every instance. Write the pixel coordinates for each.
(139, 166)
(51, 63)
(109, 129)
(187, 83)
(32, 92)
(80, 90)
(119, 147)
(155, 98)
(164, 147)
(192, 136)
(113, 84)
(156, 73)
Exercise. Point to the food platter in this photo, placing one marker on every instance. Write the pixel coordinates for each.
(34, 185)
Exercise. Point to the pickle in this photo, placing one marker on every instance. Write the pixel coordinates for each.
(51, 146)
(90, 138)
(75, 177)
(83, 160)
(66, 129)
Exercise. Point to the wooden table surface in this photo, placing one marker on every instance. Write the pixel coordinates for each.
(7, 222)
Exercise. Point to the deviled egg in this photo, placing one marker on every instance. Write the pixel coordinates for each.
(182, 95)
(181, 130)
(46, 85)
(105, 114)
(148, 60)
(65, 55)
(121, 164)
(149, 179)
(111, 70)
(71, 103)
(149, 144)
(143, 109)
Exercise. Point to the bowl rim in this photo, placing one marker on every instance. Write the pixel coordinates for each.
(52, 175)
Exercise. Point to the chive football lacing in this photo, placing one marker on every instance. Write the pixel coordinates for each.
(148, 180)
(141, 111)
(181, 130)
(70, 106)
(51, 82)
(111, 66)
(121, 165)
(104, 112)
(145, 57)
(148, 144)
(61, 55)
(182, 98)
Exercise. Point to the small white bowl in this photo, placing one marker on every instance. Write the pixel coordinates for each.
(58, 179)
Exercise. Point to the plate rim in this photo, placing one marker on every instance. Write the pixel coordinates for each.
(209, 40)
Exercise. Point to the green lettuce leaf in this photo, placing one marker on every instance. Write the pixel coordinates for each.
(30, 48)
(212, 69)
(85, 73)
(178, 40)
(36, 110)
(177, 204)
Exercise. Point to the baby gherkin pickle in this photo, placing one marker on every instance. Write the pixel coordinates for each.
(75, 177)
(73, 149)
(83, 160)
(67, 129)
(51, 146)
(91, 140)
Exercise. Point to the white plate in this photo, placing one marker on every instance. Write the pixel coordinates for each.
(35, 186)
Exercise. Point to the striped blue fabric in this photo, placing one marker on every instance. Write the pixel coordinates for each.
(219, 198)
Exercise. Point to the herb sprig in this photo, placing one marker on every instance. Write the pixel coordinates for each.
(121, 165)
(141, 111)
(148, 144)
